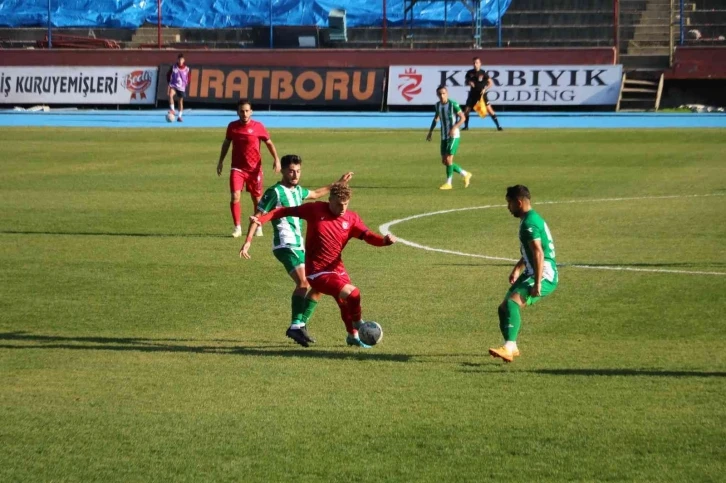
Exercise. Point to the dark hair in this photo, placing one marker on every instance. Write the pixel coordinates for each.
(242, 102)
(518, 192)
(476, 58)
(180, 56)
(289, 159)
(442, 86)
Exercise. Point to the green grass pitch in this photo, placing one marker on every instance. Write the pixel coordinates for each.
(136, 346)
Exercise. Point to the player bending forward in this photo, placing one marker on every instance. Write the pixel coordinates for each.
(447, 110)
(535, 274)
(330, 226)
(287, 241)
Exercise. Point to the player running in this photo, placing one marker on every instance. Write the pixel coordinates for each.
(535, 274)
(245, 136)
(178, 78)
(479, 82)
(330, 226)
(447, 110)
(287, 241)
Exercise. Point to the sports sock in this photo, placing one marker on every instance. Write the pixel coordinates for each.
(466, 123)
(345, 316)
(456, 168)
(308, 310)
(496, 121)
(354, 309)
(171, 108)
(463, 172)
(236, 209)
(514, 321)
(510, 345)
(449, 173)
(298, 307)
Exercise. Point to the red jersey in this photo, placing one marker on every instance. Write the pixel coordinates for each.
(246, 139)
(326, 235)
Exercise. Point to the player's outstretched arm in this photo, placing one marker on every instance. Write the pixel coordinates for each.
(433, 126)
(320, 192)
(222, 155)
(244, 252)
(302, 211)
(275, 158)
(377, 240)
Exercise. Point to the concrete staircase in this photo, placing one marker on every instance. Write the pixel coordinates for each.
(651, 34)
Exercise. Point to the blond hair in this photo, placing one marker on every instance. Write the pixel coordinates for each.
(341, 191)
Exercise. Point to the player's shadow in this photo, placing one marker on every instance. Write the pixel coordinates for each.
(133, 344)
(108, 233)
(626, 372)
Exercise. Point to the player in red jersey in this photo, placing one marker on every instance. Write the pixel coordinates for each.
(330, 226)
(245, 136)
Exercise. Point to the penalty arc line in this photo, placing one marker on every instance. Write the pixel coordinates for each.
(385, 229)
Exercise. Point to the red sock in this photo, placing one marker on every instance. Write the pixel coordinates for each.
(236, 212)
(345, 316)
(354, 309)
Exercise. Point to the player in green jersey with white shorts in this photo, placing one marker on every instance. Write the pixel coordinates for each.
(287, 241)
(535, 274)
(448, 110)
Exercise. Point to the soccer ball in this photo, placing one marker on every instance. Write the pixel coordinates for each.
(169, 117)
(370, 333)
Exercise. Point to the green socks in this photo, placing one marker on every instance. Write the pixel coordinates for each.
(309, 308)
(456, 168)
(449, 171)
(298, 308)
(510, 320)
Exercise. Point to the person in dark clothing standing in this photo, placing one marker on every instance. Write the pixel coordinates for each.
(479, 82)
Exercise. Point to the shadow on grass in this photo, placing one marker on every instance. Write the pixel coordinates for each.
(104, 233)
(163, 345)
(626, 372)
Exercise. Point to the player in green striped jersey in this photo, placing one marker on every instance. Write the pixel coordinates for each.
(448, 110)
(287, 241)
(535, 274)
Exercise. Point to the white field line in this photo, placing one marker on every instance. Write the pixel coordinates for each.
(385, 229)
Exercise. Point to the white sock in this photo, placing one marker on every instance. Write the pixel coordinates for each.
(172, 109)
(463, 173)
(297, 326)
(511, 345)
(448, 180)
(180, 113)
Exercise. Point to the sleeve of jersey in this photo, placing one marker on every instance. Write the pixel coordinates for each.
(229, 131)
(302, 211)
(264, 135)
(456, 106)
(530, 232)
(268, 201)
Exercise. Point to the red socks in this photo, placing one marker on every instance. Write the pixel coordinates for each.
(350, 310)
(236, 209)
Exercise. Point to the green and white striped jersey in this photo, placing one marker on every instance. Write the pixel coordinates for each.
(287, 230)
(448, 116)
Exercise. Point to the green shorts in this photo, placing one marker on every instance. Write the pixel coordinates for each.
(290, 259)
(449, 146)
(524, 283)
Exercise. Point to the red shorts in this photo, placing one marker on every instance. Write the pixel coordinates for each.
(252, 182)
(330, 283)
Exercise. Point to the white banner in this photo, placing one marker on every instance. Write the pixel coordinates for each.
(546, 85)
(78, 85)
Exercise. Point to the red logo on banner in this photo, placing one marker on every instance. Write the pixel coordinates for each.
(410, 86)
(137, 82)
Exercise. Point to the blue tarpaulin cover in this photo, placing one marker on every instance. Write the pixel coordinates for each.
(233, 13)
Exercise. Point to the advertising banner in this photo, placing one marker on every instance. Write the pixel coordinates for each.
(78, 85)
(563, 85)
(280, 86)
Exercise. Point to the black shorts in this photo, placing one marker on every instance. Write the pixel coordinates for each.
(473, 98)
(178, 94)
